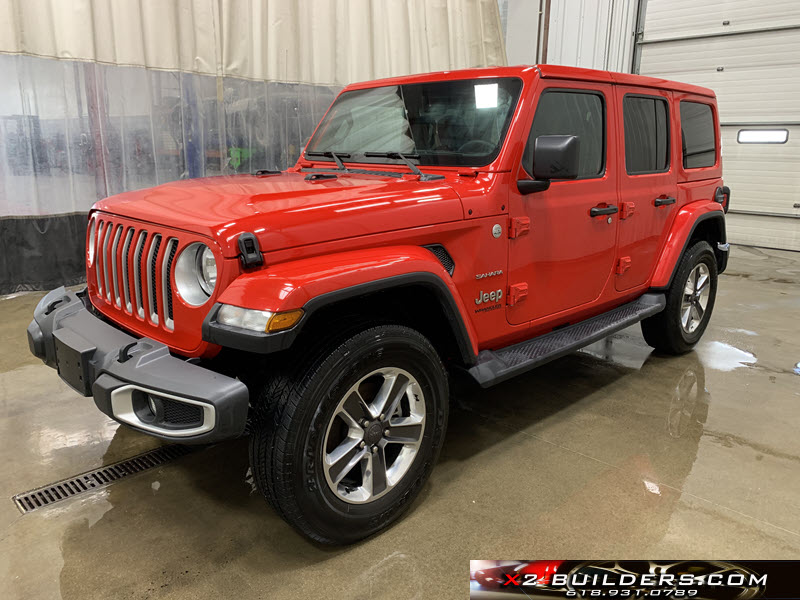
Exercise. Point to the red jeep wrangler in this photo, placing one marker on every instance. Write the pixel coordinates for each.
(490, 220)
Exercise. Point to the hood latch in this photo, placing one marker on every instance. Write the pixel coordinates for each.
(250, 252)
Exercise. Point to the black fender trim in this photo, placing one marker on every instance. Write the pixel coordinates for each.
(266, 343)
(722, 255)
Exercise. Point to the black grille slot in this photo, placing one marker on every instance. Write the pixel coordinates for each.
(173, 250)
(181, 413)
(137, 272)
(153, 265)
(98, 478)
(443, 256)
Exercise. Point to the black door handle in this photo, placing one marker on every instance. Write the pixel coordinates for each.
(606, 210)
(664, 201)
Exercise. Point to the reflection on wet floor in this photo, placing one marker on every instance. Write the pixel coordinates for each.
(610, 452)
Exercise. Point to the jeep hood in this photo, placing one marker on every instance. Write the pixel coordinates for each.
(285, 210)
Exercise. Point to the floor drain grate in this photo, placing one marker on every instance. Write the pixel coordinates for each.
(91, 480)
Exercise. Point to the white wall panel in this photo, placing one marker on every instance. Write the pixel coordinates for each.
(760, 80)
(666, 19)
(763, 177)
(767, 232)
(749, 54)
(328, 42)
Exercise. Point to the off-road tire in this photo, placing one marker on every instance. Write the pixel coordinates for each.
(663, 331)
(291, 415)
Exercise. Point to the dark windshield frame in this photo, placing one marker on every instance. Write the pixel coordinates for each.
(426, 157)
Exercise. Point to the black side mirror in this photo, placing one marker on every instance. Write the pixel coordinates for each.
(554, 157)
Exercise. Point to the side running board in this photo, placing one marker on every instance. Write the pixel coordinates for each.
(495, 366)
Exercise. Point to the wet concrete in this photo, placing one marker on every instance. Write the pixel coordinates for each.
(609, 453)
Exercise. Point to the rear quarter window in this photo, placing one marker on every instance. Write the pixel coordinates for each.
(698, 135)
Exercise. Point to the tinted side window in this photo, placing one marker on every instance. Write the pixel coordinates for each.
(697, 132)
(646, 134)
(572, 113)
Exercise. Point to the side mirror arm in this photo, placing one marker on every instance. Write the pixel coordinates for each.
(531, 186)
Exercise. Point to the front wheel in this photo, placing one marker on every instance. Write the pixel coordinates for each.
(690, 300)
(341, 447)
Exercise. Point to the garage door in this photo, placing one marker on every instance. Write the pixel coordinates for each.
(749, 53)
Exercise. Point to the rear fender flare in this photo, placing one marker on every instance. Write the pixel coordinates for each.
(316, 282)
(683, 228)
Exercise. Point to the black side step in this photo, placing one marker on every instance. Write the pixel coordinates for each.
(495, 366)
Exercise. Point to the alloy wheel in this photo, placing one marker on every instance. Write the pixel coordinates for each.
(696, 293)
(374, 435)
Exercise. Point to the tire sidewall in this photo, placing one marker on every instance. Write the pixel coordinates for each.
(699, 253)
(388, 346)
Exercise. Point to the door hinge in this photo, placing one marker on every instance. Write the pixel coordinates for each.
(628, 209)
(517, 292)
(519, 226)
(623, 265)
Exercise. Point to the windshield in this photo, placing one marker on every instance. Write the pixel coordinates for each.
(458, 123)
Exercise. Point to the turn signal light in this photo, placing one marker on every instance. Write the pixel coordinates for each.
(285, 320)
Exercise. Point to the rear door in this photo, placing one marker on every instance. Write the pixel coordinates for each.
(647, 181)
(559, 253)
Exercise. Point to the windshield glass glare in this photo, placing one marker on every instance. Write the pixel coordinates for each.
(461, 122)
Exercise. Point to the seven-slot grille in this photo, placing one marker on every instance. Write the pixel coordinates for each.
(131, 272)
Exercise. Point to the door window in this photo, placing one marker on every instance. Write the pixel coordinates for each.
(646, 134)
(567, 112)
(699, 139)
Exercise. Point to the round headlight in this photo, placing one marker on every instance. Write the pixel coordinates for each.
(207, 267)
(196, 273)
(90, 244)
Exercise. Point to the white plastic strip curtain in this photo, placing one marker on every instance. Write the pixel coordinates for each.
(100, 97)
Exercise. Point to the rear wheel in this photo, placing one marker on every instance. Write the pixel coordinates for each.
(690, 301)
(342, 445)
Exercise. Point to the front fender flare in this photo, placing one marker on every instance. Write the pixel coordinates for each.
(312, 283)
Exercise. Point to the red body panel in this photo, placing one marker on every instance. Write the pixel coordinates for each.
(319, 236)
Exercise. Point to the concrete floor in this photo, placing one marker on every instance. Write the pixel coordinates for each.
(609, 453)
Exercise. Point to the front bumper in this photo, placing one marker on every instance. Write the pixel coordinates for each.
(135, 381)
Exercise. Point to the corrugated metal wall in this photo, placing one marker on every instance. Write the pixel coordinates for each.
(100, 97)
(595, 34)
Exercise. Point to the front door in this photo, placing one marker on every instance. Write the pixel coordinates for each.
(647, 184)
(565, 259)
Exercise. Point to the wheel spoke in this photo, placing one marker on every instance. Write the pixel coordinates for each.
(344, 457)
(687, 313)
(408, 430)
(702, 283)
(699, 310)
(375, 472)
(389, 395)
(354, 409)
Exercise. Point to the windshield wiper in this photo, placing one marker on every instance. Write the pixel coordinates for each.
(406, 158)
(336, 156)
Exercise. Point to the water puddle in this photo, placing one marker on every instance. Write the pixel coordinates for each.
(724, 357)
(737, 330)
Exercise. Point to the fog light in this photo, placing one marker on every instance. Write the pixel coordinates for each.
(148, 408)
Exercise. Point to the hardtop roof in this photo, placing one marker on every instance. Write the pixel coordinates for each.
(545, 72)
